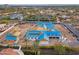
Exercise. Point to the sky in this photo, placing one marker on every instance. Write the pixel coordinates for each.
(39, 1)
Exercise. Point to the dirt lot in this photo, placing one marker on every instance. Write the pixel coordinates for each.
(24, 28)
(65, 32)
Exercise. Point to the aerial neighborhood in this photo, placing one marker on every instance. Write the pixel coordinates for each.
(39, 30)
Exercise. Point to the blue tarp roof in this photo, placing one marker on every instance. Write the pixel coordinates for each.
(42, 36)
(54, 33)
(39, 35)
(33, 34)
(36, 36)
(10, 37)
(49, 25)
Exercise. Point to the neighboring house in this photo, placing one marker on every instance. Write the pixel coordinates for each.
(11, 51)
(2, 25)
(65, 17)
(9, 36)
(13, 38)
(16, 16)
(10, 39)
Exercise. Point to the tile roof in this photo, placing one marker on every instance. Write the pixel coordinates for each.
(8, 51)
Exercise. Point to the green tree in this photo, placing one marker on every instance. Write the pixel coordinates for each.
(4, 21)
(53, 18)
(6, 18)
(60, 49)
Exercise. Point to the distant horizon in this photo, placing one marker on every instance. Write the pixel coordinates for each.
(39, 5)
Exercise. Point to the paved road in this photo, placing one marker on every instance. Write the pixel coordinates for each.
(6, 31)
(74, 32)
(71, 29)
